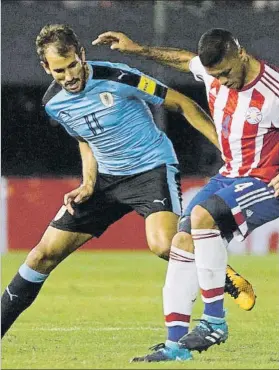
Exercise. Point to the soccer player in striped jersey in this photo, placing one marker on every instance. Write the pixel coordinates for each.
(243, 97)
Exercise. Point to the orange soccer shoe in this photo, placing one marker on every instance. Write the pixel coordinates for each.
(240, 289)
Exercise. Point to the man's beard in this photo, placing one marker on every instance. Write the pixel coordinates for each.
(82, 80)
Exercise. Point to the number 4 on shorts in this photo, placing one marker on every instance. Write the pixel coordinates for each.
(244, 185)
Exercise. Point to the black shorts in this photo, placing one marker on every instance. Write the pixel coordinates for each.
(115, 196)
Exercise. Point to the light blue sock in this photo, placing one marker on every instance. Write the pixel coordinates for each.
(172, 345)
(31, 275)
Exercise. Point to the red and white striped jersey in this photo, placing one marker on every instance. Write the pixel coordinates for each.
(247, 122)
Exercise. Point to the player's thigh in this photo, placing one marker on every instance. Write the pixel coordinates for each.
(160, 229)
(160, 203)
(213, 186)
(251, 203)
(54, 246)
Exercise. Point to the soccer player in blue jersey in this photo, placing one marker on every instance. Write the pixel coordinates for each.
(127, 162)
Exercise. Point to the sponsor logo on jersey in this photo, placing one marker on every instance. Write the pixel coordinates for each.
(107, 99)
(122, 74)
(254, 115)
(64, 116)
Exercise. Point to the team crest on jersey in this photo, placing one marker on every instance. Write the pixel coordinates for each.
(254, 115)
(225, 126)
(107, 99)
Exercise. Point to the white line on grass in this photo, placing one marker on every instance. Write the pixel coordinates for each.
(75, 328)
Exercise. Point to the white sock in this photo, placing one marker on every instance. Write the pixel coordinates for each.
(181, 288)
(211, 261)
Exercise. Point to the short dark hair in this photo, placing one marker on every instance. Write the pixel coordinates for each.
(214, 45)
(61, 35)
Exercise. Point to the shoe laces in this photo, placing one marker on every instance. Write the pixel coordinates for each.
(157, 347)
(231, 288)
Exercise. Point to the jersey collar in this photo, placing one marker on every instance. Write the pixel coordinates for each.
(252, 83)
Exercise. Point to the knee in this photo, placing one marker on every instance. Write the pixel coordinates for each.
(201, 218)
(42, 258)
(183, 240)
(159, 244)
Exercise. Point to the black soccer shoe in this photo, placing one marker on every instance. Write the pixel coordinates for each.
(204, 335)
(164, 353)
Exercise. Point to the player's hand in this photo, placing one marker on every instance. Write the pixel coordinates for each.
(117, 41)
(79, 195)
(275, 183)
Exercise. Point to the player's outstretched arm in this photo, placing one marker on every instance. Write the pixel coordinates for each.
(194, 114)
(173, 57)
(89, 175)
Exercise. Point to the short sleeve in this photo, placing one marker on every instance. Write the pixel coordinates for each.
(130, 82)
(197, 69)
(148, 89)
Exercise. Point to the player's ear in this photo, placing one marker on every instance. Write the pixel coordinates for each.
(242, 54)
(45, 67)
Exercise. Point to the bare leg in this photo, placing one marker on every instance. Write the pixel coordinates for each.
(54, 246)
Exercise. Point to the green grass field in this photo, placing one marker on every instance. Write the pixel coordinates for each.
(99, 309)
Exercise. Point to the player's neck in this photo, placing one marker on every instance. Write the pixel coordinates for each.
(253, 70)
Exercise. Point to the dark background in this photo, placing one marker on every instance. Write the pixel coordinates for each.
(31, 146)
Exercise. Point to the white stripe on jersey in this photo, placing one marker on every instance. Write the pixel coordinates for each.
(250, 193)
(262, 131)
(237, 127)
(257, 201)
(221, 102)
(257, 196)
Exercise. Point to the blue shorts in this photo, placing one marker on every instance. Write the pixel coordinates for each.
(251, 201)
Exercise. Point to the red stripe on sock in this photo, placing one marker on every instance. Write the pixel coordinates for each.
(211, 293)
(204, 234)
(180, 260)
(177, 317)
(199, 237)
(175, 255)
(180, 255)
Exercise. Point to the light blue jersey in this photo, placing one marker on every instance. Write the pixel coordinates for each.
(111, 114)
